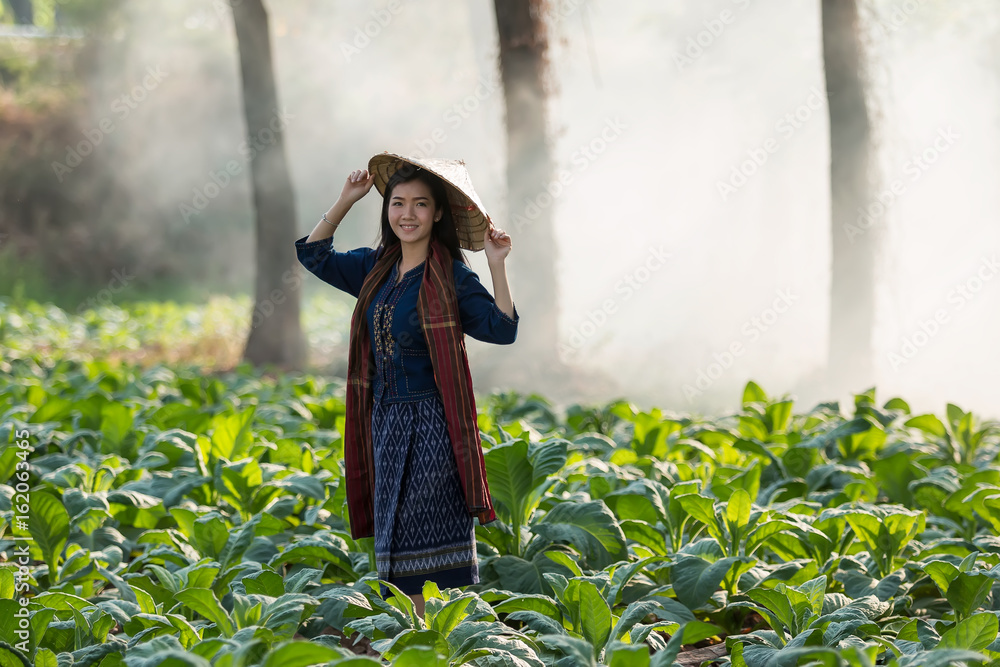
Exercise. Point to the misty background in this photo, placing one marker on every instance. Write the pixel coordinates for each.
(645, 129)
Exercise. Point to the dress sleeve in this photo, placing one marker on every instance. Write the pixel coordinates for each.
(344, 270)
(481, 317)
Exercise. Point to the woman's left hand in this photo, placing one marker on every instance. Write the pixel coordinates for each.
(497, 244)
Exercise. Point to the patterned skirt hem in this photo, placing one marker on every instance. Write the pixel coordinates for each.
(429, 554)
(425, 568)
(423, 530)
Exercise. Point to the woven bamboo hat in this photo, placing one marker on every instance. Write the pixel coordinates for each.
(471, 218)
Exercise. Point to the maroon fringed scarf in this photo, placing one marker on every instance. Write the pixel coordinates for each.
(437, 306)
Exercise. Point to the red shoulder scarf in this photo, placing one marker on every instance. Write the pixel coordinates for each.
(437, 306)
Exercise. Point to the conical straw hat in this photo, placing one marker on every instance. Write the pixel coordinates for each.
(471, 219)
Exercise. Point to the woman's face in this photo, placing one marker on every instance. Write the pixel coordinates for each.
(411, 211)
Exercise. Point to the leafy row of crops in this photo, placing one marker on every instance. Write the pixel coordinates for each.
(179, 519)
(210, 335)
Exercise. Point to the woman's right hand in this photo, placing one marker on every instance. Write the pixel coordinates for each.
(359, 182)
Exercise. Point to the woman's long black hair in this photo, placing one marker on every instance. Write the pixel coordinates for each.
(443, 230)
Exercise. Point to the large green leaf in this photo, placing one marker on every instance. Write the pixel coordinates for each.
(634, 613)
(695, 579)
(210, 534)
(204, 602)
(590, 527)
(163, 651)
(702, 508)
(116, 424)
(974, 633)
(451, 614)
(967, 592)
(547, 458)
(299, 654)
(778, 604)
(7, 583)
(646, 535)
(284, 614)
(578, 651)
(510, 476)
(319, 552)
(519, 475)
(417, 656)
(8, 462)
(738, 510)
(640, 500)
(238, 482)
(595, 616)
(526, 576)
(542, 604)
(756, 655)
(938, 658)
(238, 542)
(302, 484)
(753, 393)
(48, 523)
(231, 434)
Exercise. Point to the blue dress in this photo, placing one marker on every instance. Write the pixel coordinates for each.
(423, 530)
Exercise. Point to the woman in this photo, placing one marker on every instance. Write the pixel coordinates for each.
(415, 472)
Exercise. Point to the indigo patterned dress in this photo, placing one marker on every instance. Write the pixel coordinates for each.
(423, 529)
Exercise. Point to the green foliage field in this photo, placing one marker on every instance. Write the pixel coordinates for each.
(180, 518)
(210, 336)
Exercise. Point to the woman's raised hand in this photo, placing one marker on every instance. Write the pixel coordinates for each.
(497, 244)
(359, 182)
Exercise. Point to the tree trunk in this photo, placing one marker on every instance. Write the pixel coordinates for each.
(523, 67)
(276, 336)
(852, 311)
(24, 11)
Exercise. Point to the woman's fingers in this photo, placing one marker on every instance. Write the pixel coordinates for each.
(498, 237)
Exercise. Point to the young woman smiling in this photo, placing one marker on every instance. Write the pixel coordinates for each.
(414, 465)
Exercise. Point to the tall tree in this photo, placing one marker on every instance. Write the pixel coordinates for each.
(523, 64)
(852, 312)
(276, 336)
